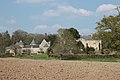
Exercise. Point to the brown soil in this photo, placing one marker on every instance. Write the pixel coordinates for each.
(22, 69)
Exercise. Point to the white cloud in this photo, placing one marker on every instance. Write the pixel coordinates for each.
(85, 12)
(34, 1)
(41, 27)
(57, 26)
(61, 10)
(48, 28)
(46, 14)
(106, 7)
(50, 13)
(12, 21)
(67, 9)
(72, 10)
(85, 31)
(2, 27)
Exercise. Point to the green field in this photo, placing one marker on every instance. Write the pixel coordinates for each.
(37, 57)
(45, 57)
(98, 59)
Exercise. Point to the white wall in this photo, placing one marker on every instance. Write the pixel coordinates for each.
(91, 43)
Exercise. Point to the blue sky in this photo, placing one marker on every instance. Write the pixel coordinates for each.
(47, 16)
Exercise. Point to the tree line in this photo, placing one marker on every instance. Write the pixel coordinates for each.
(6, 40)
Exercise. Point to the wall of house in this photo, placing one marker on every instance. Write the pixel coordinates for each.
(32, 50)
(43, 46)
(44, 49)
(91, 43)
(36, 49)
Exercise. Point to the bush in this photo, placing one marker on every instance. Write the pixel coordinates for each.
(90, 50)
(82, 56)
(55, 55)
(26, 52)
(3, 55)
(106, 51)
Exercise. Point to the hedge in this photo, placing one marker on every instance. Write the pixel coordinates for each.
(81, 56)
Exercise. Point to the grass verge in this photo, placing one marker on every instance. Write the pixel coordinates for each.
(37, 57)
(45, 57)
(97, 59)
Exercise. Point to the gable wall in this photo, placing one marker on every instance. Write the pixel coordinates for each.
(91, 43)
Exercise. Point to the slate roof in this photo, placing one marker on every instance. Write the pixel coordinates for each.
(33, 42)
(21, 43)
(87, 37)
(45, 45)
(33, 46)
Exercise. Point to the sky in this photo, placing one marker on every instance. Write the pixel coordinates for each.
(47, 16)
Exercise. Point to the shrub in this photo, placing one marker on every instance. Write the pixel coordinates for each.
(91, 49)
(27, 52)
(82, 56)
(106, 51)
(3, 55)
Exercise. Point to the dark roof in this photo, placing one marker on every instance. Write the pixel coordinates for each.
(27, 46)
(33, 42)
(33, 46)
(87, 37)
(21, 43)
(45, 45)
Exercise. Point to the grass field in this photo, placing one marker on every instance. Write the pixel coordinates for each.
(38, 57)
(45, 57)
(98, 59)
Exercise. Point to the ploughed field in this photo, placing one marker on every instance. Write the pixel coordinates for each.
(26, 69)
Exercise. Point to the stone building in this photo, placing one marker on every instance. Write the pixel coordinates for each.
(33, 47)
(87, 40)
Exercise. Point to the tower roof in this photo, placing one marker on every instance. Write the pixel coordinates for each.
(33, 42)
(20, 42)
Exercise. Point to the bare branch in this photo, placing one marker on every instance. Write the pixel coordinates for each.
(118, 9)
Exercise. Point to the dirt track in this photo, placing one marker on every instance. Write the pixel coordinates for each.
(18, 69)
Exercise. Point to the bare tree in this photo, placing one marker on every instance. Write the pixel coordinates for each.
(118, 9)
